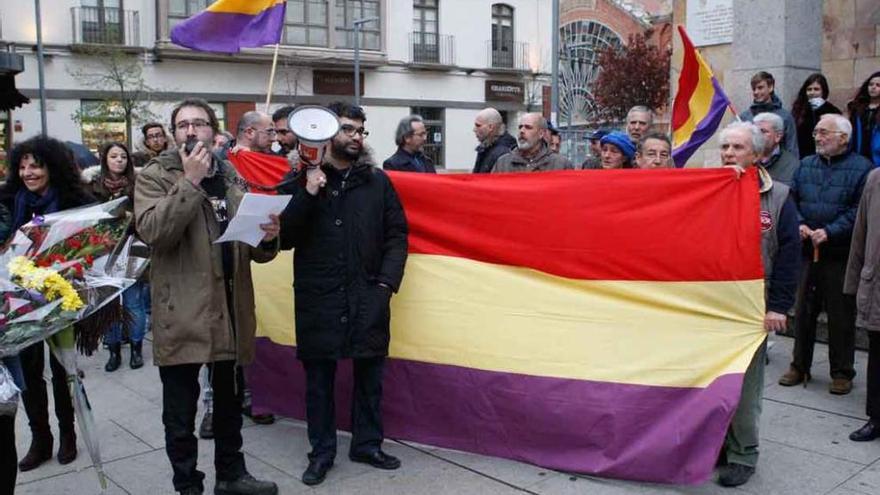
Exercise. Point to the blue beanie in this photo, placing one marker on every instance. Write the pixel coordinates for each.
(621, 140)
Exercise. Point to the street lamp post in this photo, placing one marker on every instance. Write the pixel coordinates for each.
(357, 56)
(40, 76)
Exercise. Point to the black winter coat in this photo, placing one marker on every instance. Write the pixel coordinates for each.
(403, 161)
(348, 239)
(487, 156)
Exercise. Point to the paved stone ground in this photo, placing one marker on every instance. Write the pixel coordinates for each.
(804, 448)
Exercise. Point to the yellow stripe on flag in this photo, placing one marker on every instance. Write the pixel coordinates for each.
(461, 312)
(699, 104)
(249, 7)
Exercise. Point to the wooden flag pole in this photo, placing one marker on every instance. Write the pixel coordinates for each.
(272, 76)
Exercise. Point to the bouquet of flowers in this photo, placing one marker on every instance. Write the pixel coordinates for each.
(60, 271)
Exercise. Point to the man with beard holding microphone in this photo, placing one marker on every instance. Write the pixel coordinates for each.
(202, 296)
(350, 237)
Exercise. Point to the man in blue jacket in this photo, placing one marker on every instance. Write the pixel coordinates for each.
(827, 188)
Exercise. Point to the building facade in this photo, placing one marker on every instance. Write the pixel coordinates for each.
(443, 59)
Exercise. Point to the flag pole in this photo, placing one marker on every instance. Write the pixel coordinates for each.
(272, 76)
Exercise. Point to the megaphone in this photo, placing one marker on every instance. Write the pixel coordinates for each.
(313, 126)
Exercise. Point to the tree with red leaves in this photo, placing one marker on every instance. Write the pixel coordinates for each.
(635, 74)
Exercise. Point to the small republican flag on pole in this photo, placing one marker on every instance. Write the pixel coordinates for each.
(699, 104)
(227, 26)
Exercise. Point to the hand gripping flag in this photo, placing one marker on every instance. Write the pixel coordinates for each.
(699, 104)
(227, 26)
(568, 324)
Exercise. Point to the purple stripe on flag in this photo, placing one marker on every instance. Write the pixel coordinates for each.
(705, 128)
(227, 32)
(637, 432)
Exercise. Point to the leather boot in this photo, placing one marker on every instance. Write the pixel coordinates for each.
(39, 452)
(137, 359)
(67, 447)
(115, 358)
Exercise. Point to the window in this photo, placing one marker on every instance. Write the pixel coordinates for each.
(433, 118)
(580, 44)
(180, 10)
(347, 11)
(425, 29)
(306, 23)
(102, 22)
(101, 121)
(502, 35)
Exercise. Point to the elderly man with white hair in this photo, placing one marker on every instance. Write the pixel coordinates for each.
(827, 188)
(742, 146)
(780, 162)
(639, 120)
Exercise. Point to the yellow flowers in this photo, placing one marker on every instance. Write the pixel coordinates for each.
(46, 281)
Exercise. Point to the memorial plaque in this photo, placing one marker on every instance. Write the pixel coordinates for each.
(710, 22)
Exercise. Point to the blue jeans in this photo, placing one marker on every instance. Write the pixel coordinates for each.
(135, 299)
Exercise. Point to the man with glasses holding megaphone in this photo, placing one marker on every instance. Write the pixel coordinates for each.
(350, 237)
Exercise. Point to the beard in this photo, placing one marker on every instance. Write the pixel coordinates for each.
(525, 144)
(348, 151)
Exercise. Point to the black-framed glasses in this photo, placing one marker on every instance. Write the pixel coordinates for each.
(282, 132)
(350, 130)
(195, 123)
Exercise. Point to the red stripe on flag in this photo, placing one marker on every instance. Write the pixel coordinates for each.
(596, 234)
(687, 82)
(260, 168)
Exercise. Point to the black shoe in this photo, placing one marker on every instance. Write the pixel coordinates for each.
(137, 358)
(193, 490)
(735, 474)
(67, 446)
(866, 433)
(377, 459)
(115, 359)
(317, 471)
(206, 429)
(39, 452)
(246, 485)
(263, 419)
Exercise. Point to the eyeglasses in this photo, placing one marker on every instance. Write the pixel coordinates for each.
(197, 124)
(270, 132)
(282, 132)
(350, 130)
(825, 132)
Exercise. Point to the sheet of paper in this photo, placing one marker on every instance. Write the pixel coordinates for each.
(253, 210)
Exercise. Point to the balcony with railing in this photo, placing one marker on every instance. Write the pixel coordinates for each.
(513, 56)
(431, 49)
(105, 26)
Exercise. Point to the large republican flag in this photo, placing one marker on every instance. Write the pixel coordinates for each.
(593, 321)
(227, 26)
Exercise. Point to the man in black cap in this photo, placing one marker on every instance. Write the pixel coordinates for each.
(594, 161)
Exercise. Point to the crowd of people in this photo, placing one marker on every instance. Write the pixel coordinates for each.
(820, 248)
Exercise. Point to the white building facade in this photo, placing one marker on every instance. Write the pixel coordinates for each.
(442, 59)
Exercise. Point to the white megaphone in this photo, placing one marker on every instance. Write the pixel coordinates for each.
(314, 126)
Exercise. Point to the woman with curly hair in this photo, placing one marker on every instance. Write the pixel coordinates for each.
(116, 179)
(865, 119)
(811, 104)
(43, 178)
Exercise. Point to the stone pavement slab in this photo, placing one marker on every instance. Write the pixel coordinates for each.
(804, 449)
